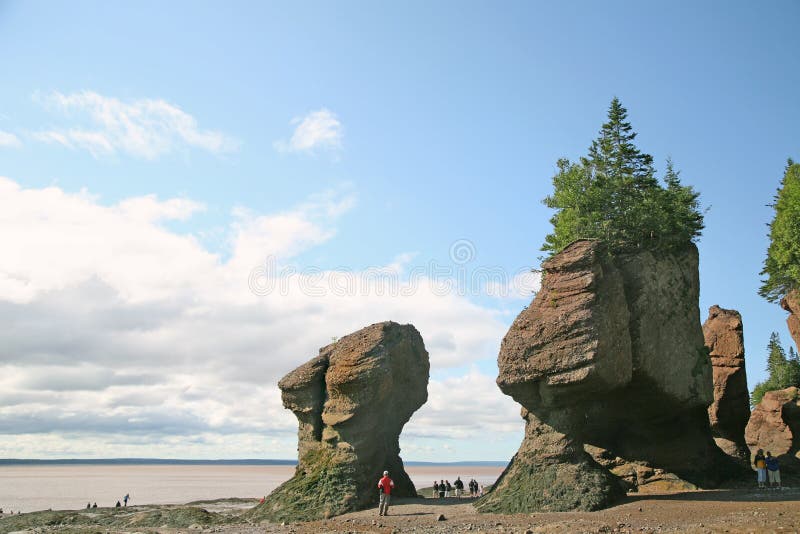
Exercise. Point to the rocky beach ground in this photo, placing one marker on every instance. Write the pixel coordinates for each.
(733, 511)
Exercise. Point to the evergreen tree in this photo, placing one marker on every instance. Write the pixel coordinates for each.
(783, 372)
(782, 265)
(613, 195)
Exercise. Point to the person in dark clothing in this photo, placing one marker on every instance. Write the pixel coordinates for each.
(94, 505)
(118, 505)
(459, 485)
(441, 489)
(773, 470)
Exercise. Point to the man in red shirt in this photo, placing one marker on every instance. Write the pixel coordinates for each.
(385, 486)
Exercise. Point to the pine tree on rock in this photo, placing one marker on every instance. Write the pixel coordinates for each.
(782, 265)
(613, 195)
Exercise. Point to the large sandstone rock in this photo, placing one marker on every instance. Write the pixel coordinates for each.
(730, 411)
(791, 303)
(610, 354)
(351, 403)
(775, 426)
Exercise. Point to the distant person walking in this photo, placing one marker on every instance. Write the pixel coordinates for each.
(760, 464)
(385, 486)
(435, 489)
(125, 499)
(459, 485)
(773, 470)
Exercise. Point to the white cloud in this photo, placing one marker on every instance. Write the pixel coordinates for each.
(146, 128)
(9, 140)
(114, 325)
(317, 130)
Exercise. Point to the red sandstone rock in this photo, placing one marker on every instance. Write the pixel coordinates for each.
(791, 303)
(610, 353)
(775, 426)
(730, 411)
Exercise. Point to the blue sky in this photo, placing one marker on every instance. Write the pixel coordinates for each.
(425, 123)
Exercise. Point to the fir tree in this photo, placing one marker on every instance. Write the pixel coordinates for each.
(782, 265)
(783, 372)
(613, 195)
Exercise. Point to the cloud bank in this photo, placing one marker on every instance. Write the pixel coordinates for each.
(123, 337)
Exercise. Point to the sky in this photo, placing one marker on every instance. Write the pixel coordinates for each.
(196, 196)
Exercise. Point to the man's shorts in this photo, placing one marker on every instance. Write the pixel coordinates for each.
(774, 476)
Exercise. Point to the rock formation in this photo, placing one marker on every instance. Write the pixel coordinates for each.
(791, 303)
(730, 411)
(610, 354)
(775, 426)
(351, 403)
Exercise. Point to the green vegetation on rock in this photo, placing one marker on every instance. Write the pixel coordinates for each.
(552, 487)
(613, 195)
(323, 487)
(783, 371)
(782, 265)
(127, 519)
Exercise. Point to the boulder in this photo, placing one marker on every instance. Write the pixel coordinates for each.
(610, 353)
(730, 411)
(351, 403)
(775, 426)
(791, 303)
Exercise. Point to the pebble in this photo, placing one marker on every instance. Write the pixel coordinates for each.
(441, 517)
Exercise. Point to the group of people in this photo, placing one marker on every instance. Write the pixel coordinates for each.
(118, 505)
(443, 488)
(767, 469)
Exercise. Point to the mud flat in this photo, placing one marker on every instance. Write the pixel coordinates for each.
(733, 510)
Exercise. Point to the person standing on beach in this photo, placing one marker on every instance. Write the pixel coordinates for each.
(125, 499)
(773, 470)
(760, 464)
(459, 485)
(385, 486)
(447, 488)
(435, 489)
(441, 489)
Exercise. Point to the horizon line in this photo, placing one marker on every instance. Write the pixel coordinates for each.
(279, 461)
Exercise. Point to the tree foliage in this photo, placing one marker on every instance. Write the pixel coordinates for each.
(782, 265)
(783, 371)
(613, 195)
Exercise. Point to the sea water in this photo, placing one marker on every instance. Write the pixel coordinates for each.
(28, 488)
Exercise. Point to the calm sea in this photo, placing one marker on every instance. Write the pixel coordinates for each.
(64, 487)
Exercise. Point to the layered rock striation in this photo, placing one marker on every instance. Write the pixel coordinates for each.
(610, 354)
(730, 411)
(775, 426)
(351, 403)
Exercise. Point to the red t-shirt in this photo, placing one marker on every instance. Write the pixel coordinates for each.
(386, 484)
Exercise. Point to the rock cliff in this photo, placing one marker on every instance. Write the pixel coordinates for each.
(351, 403)
(791, 303)
(775, 426)
(730, 411)
(610, 354)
